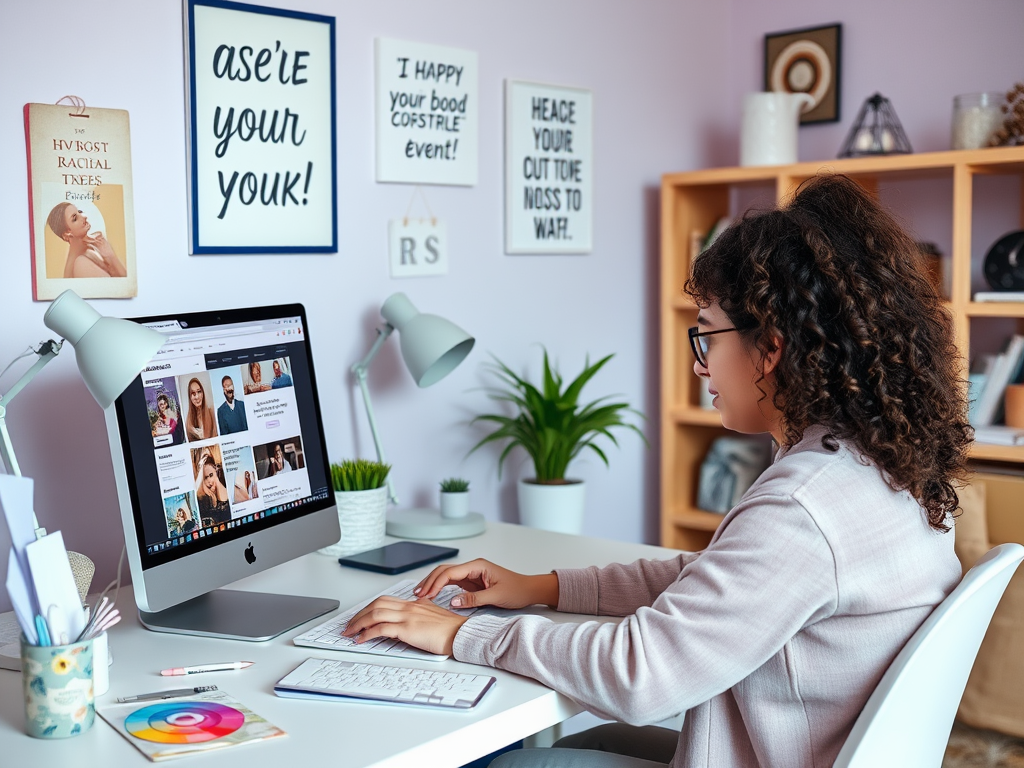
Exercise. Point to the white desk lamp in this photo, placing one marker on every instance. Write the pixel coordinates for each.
(110, 353)
(432, 347)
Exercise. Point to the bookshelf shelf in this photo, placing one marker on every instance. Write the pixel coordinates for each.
(691, 204)
(994, 309)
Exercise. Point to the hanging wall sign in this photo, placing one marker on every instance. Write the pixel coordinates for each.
(418, 247)
(80, 201)
(426, 113)
(548, 168)
(261, 123)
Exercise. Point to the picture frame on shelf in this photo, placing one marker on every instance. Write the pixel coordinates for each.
(807, 61)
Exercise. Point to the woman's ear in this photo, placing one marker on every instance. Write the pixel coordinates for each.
(771, 358)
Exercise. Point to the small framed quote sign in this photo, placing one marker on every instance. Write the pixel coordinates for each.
(427, 124)
(261, 123)
(548, 168)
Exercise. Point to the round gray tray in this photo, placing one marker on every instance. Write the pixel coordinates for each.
(427, 524)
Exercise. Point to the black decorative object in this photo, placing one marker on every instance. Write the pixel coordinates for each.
(1004, 263)
(876, 131)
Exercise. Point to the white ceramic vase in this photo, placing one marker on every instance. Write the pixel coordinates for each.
(552, 507)
(454, 504)
(770, 122)
(361, 515)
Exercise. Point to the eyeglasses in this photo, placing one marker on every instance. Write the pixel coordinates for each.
(700, 346)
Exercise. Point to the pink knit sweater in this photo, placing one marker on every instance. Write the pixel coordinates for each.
(770, 640)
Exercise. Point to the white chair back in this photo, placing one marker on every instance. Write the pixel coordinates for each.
(908, 719)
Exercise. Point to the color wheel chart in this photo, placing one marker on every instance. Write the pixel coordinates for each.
(186, 722)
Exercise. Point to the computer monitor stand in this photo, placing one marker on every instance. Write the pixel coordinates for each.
(238, 615)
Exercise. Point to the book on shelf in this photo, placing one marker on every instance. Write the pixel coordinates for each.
(1002, 370)
(976, 381)
(1010, 296)
(720, 226)
(999, 435)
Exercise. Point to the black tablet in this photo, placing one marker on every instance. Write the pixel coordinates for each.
(398, 557)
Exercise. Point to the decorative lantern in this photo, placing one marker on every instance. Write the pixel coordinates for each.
(876, 131)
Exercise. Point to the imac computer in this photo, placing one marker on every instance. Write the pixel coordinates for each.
(222, 471)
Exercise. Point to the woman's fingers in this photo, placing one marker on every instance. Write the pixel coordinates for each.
(420, 623)
(470, 576)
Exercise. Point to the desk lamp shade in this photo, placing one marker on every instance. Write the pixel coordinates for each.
(432, 347)
(110, 351)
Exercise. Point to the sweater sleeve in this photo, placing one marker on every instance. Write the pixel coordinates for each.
(769, 573)
(617, 590)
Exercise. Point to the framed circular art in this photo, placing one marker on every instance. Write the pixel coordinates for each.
(806, 61)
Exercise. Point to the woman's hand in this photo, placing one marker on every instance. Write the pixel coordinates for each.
(419, 623)
(100, 251)
(485, 583)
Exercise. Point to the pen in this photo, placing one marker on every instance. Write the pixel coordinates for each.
(167, 694)
(223, 666)
(42, 631)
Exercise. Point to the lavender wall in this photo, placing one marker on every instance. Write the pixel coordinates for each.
(918, 53)
(652, 114)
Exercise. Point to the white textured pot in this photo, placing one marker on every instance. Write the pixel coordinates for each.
(552, 507)
(361, 515)
(454, 504)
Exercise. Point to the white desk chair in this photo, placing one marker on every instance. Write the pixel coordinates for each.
(908, 719)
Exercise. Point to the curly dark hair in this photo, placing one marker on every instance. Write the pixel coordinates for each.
(868, 347)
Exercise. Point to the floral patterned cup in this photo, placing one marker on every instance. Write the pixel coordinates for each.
(57, 680)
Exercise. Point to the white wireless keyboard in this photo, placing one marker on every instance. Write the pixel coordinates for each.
(328, 634)
(330, 678)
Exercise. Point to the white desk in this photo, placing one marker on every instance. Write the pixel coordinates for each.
(337, 734)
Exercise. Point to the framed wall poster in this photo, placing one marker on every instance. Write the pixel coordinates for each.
(806, 61)
(427, 125)
(81, 215)
(262, 158)
(548, 168)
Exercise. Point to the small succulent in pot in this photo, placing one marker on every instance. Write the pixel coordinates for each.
(454, 485)
(454, 497)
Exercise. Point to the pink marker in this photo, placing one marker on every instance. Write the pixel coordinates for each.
(224, 666)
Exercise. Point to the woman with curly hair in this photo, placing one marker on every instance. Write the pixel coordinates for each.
(816, 326)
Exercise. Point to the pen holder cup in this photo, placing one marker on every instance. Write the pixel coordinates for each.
(58, 685)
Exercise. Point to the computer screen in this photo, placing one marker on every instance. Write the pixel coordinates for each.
(219, 454)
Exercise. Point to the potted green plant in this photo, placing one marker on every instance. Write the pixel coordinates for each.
(454, 497)
(551, 424)
(361, 496)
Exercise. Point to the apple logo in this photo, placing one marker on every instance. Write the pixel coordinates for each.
(250, 555)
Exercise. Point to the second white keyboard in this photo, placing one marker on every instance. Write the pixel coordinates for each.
(330, 678)
(328, 634)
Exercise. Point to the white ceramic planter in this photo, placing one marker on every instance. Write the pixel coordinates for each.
(454, 504)
(552, 507)
(361, 515)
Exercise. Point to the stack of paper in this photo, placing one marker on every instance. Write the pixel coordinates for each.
(39, 579)
(999, 435)
(999, 296)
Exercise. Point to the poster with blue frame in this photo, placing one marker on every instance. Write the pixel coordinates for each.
(262, 149)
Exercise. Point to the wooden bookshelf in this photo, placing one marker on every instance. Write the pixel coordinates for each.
(692, 202)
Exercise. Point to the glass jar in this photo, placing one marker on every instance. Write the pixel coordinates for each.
(976, 116)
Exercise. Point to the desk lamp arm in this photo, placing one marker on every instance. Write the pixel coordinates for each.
(360, 369)
(47, 351)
